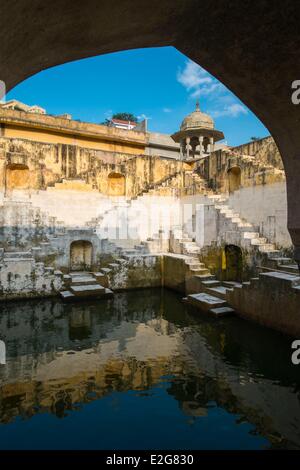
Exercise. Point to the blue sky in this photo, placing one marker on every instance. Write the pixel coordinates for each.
(159, 83)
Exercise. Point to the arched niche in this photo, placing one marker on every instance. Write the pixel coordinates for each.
(17, 177)
(116, 184)
(234, 263)
(234, 179)
(81, 252)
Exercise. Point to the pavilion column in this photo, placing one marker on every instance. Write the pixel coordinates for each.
(181, 154)
(201, 145)
(187, 141)
(211, 144)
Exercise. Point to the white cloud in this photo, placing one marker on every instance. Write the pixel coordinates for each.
(198, 82)
(232, 110)
(143, 116)
(167, 110)
(192, 76)
(207, 90)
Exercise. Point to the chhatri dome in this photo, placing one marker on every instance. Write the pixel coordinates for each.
(197, 120)
(197, 135)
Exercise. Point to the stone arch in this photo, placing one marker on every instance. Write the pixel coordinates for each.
(234, 263)
(2, 352)
(116, 184)
(17, 177)
(275, 71)
(234, 178)
(81, 253)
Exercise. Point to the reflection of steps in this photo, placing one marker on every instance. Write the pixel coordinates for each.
(82, 285)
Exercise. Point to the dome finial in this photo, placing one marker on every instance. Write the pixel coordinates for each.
(197, 106)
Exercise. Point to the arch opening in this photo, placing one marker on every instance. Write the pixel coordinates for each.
(81, 255)
(116, 184)
(234, 179)
(234, 263)
(17, 177)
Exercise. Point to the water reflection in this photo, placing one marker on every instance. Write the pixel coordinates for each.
(142, 370)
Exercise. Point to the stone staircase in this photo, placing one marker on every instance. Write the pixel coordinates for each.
(182, 243)
(280, 263)
(165, 186)
(209, 304)
(209, 294)
(237, 231)
(83, 285)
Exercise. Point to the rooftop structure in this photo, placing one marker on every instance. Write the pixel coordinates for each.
(19, 106)
(197, 130)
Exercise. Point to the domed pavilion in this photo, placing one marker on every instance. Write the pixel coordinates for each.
(197, 135)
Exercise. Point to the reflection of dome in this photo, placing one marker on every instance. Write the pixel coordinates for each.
(197, 120)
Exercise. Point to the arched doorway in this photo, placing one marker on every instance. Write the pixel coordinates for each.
(234, 179)
(17, 177)
(116, 184)
(81, 255)
(234, 263)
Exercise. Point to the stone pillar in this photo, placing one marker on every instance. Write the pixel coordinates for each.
(201, 145)
(187, 141)
(211, 144)
(181, 151)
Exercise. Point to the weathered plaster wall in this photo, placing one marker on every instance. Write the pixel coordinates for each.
(22, 278)
(49, 164)
(175, 272)
(136, 272)
(263, 166)
(265, 206)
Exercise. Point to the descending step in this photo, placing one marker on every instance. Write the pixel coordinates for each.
(87, 290)
(209, 304)
(82, 285)
(205, 301)
(219, 291)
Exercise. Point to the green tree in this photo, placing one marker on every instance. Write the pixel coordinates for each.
(122, 116)
(125, 117)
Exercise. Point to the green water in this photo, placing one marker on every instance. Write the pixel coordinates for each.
(143, 371)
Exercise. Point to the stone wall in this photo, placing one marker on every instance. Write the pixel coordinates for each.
(249, 165)
(266, 207)
(136, 272)
(50, 164)
(272, 300)
(22, 277)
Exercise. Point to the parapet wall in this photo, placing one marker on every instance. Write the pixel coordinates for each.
(272, 300)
